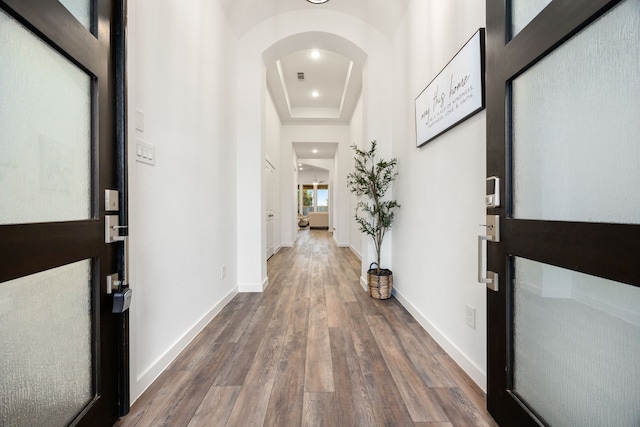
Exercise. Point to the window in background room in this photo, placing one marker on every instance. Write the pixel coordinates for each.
(322, 198)
(314, 198)
(308, 204)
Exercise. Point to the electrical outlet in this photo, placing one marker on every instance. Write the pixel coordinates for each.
(471, 317)
(223, 272)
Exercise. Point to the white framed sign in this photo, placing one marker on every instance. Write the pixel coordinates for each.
(454, 95)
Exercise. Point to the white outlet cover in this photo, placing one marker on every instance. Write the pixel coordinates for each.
(471, 317)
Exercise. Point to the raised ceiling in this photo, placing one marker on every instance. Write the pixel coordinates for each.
(335, 80)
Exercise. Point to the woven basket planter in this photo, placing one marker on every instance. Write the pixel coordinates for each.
(380, 285)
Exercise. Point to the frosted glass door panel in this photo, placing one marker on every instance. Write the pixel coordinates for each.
(45, 357)
(576, 347)
(523, 12)
(45, 131)
(81, 9)
(576, 126)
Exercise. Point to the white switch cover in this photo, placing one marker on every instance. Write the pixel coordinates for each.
(139, 121)
(145, 152)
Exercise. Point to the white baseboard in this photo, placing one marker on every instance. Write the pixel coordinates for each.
(358, 254)
(340, 244)
(144, 380)
(364, 284)
(477, 374)
(287, 244)
(253, 287)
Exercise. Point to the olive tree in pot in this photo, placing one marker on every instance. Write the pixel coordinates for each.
(372, 178)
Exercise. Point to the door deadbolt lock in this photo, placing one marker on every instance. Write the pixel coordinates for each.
(493, 200)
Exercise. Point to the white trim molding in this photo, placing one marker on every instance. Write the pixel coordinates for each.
(253, 287)
(144, 380)
(355, 251)
(477, 373)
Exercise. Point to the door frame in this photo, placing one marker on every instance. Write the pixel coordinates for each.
(582, 249)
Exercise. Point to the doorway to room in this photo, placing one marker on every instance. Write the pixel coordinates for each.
(313, 194)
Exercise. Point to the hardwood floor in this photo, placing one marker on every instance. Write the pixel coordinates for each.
(313, 350)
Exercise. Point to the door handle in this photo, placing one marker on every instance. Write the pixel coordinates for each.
(489, 278)
(493, 235)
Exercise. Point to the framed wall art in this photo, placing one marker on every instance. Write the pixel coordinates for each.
(455, 94)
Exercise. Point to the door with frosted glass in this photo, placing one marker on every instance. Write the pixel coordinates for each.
(58, 338)
(563, 135)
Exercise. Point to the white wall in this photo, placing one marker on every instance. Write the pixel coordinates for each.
(356, 129)
(182, 210)
(440, 188)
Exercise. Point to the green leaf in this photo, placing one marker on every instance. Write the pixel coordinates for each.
(372, 179)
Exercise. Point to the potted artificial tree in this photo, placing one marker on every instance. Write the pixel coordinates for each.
(372, 178)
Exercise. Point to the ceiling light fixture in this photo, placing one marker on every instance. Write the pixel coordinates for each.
(315, 94)
(315, 54)
(317, 1)
(315, 151)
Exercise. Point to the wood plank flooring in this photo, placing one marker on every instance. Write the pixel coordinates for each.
(313, 350)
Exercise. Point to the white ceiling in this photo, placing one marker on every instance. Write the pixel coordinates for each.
(308, 154)
(385, 15)
(315, 150)
(336, 74)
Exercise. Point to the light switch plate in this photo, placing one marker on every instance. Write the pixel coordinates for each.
(145, 152)
(139, 121)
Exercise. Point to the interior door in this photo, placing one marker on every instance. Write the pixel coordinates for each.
(60, 344)
(563, 132)
(270, 213)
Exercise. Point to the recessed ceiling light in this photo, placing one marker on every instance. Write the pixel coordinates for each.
(315, 54)
(317, 1)
(315, 151)
(315, 94)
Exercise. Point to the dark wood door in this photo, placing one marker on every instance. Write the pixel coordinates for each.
(62, 357)
(562, 132)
